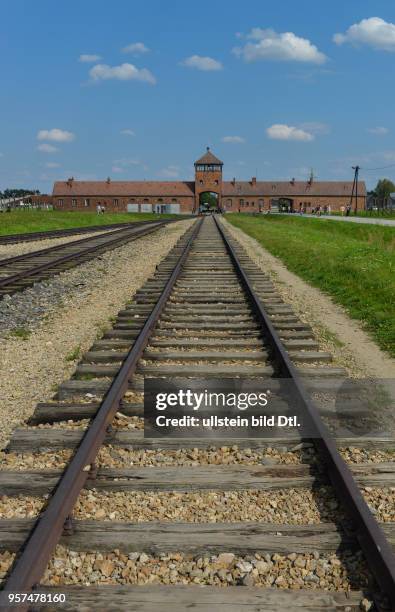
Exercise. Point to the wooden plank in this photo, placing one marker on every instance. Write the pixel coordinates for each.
(207, 342)
(309, 356)
(203, 599)
(191, 538)
(206, 370)
(209, 355)
(50, 413)
(169, 478)
(31, 440)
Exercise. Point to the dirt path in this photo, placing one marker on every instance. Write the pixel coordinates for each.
(341, 335)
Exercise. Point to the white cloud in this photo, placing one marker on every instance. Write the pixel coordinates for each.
(202, 63)
(285, 46)
(87, 58)
(280, 131)
(52, 165)
(56, 135)
(117, 169)
(233, 139)
(378, 131)
(170, 172)
(124, 72)
(136, 48)
(127, 132)
(47, 148)
(374, 32)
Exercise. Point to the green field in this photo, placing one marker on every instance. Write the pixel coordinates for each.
(22, 221)
(354, 264)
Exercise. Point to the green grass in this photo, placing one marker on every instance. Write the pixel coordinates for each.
(375, 214)
(74, 354)
(21, 332)
(23, 221)
(355, 264)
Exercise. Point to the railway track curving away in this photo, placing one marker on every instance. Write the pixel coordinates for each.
(134, 523)
(21, 271)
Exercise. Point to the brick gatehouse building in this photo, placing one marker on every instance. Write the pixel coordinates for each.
(189, 197)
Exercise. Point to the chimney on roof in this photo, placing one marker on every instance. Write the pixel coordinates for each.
(108, 181)
(253, 180)
(311, 178)
(70, 181)
(293, 180)
(233, 181)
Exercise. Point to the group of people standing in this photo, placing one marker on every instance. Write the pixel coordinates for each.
(100, 209)
(316, 210)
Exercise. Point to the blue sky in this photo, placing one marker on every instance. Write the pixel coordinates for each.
(136, 90)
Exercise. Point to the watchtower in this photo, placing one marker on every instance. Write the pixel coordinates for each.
(208, 177)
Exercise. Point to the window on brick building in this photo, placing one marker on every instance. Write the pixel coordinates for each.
(229, 203)
(260, 202)
(146, 200)
(115, 202)
(60, 202)
(241, 202)
(86, 201)
(174, 199)
(73, 202)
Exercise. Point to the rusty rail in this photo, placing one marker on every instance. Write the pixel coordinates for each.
(45, 535)
(373, 542)
(120, 238)
(70, 231)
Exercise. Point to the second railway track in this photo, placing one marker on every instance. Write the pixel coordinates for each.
(21, 271)
(141, 524)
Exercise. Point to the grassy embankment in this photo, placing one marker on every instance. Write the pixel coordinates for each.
(354, 264)
(23, 221)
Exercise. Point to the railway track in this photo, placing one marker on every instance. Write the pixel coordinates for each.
(45, 235)
(21, 271)
(279, 523)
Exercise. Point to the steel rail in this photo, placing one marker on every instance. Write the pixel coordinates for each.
(118, 240)
(70, 231)
(371, 537)
(31, 564)
(52, 249)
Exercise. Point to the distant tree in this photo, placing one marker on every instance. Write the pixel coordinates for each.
(383, 189)
(19, 193)
(210, 199)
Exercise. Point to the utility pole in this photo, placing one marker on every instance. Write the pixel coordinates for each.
(355, 186)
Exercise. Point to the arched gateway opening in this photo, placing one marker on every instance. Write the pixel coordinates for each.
(208, 202)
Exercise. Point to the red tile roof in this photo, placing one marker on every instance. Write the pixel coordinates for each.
(123, 188)
(209, 158)
(187, 188)
(290, 189)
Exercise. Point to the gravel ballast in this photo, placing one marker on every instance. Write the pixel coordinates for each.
(21, 248)
(65, 318)
(341, 572)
